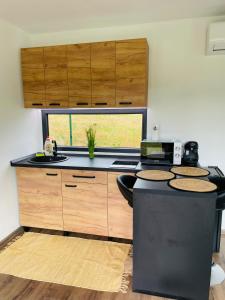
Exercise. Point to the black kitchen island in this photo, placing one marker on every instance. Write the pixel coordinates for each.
(173, 241)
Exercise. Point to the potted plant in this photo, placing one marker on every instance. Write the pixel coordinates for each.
(91, 132)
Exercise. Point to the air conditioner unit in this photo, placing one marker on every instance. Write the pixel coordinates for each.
(216, 39)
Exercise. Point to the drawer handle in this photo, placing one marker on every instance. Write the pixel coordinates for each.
(82, 103)
(101, 103)
(81, 176)
(126, 102)
(70, 185)
(51, 174)
(54, 104)
(37, 104)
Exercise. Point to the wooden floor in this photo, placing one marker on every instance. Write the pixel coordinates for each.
(12, 288)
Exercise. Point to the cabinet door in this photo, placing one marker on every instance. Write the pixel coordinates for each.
(40, 198)
(131, 58)
(79, 75)
(120, 214)
(79, 80)
(103, 74)
(33, 87)
(131, 73)
(85, 208)
(32, 60)
(103, 55)
(56, 87)
(131, 92)
(55, 57)
(79, 56)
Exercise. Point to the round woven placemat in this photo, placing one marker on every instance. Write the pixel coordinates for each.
(155, 175)
(190, 171)
(193, 185)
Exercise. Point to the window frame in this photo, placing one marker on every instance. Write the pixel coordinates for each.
(93, 111)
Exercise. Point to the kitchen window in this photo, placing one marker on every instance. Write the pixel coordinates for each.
(116, 129)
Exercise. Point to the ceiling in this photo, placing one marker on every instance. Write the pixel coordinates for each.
(57, 15)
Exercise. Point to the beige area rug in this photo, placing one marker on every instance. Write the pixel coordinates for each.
(90, 264)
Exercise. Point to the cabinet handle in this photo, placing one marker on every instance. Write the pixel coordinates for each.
(70, 185)
(54, 104)
(80, 176)
(37, 104)
(51, 174)
(125, 102)
(101, 103)
(82, 103)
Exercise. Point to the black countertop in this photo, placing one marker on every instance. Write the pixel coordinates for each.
(82, 162)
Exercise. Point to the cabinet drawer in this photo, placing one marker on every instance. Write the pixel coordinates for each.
(81, 176)
(85, 208)
(39, 181)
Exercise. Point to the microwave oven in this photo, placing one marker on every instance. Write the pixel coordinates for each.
(161, 152)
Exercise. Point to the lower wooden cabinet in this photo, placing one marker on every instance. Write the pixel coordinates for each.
(73, 200)
(85, 208)
(120, 214)
(40, 198)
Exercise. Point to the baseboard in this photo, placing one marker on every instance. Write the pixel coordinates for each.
(10, 237)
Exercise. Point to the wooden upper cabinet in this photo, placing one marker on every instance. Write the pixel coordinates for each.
(103, 62)
(103, 55)
(79, 75)
(32, 61)
(113, 73)
(56, 87)
(79, 56)
(32, 58)
(55, 57)
(131, 72)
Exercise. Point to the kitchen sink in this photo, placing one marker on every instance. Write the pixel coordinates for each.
(125, 164)
(48, 159)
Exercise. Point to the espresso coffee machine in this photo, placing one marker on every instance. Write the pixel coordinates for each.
(190, 156)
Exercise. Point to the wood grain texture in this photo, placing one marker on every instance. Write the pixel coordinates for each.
(120, 214)
(103, 55)
(33, 87)
(56, 85)
(32, 58)
(85, 208)
(131, 92)
(42, 211)
(40, 197)
(39, 181)
(20, 289)
(79, 81)
(131, 72)
(80, 101)
(79, 56)
(131, 58)
(55, 57)
(113, 73)
(103, 101)
(80, 176)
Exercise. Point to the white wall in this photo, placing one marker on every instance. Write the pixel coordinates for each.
(20, 129)
(186, 87)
